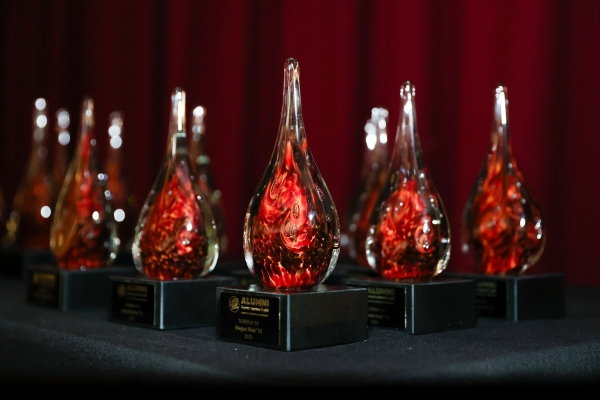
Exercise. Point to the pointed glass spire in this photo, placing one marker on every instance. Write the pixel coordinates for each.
(409, 236)
(175, 236)
(291, 232)
(502, 223)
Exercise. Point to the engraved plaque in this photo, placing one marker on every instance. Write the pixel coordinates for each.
(251, 318)
(133, 302)
(436, 305)
(491, 298)
(43, 288)
(387, 306)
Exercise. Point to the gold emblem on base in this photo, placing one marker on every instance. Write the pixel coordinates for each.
(234, 304)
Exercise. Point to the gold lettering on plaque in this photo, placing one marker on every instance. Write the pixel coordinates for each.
(135, 292)
(253, 301)
(486, 289)
(44, 278)
(381, 295)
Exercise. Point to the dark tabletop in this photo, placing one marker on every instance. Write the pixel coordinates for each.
(40, 345)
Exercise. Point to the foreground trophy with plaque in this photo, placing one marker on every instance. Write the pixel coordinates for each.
(175, 247)
(83, 236)
(27, 237)
(291, 245)
(504, 233)
(408, 244)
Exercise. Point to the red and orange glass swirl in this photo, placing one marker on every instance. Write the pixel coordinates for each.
(83, 246)
(172, 241)
(291, 243)
(504, 226)
(408, 241)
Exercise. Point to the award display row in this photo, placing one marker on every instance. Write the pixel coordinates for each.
(295, 294)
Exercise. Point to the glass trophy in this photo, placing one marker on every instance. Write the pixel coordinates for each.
(27, 226)
(117, 183)
(200, 163)
(83, 235)
(373, 178)
(503, 231)
(175, 246)
(408, 243)
(291, 245)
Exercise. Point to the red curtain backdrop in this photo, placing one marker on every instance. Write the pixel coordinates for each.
(228, 55)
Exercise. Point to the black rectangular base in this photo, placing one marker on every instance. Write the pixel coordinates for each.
(70, 290)
(14, 260)
(324, 316)
(438, 305)
(165, 304)
(517, 298)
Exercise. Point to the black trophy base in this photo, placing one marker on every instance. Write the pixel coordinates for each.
(441, 304)
(518, 298)
(165, 304)
(13, 261)
(70, 290)
(294, 320)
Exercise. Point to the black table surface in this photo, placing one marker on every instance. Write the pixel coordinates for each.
(40, 345)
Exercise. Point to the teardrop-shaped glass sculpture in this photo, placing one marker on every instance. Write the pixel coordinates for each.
(29, 222)
(117, 182)
(204, 176)
(373, 177)
(409, 236)
(502, 223)
(84, 235)
(63, 138)
(291, 231)
(175, 236)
